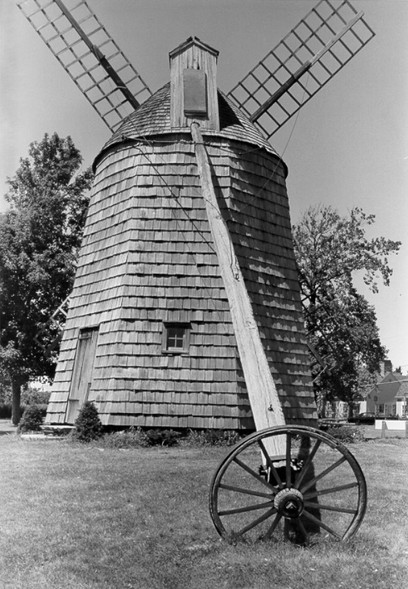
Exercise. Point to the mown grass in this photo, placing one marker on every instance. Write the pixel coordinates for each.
(85, 517)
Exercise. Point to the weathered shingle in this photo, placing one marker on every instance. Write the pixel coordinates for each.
(147, 258)
(152, 118)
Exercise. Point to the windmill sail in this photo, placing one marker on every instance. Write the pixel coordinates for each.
(90, 56)
(320, 45)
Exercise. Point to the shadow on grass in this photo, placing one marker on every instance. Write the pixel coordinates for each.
(79, 517)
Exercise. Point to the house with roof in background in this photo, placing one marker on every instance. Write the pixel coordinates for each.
(389, 396)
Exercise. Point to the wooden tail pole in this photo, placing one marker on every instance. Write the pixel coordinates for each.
(263, 396)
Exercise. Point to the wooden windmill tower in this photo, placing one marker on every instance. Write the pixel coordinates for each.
(185, 310)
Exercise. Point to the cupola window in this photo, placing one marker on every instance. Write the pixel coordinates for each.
(195, 93)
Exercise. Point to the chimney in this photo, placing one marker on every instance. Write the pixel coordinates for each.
(385, 367)
(193, 84)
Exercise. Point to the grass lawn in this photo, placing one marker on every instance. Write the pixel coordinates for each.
(84, 517)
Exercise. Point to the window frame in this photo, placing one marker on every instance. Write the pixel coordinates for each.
(195, 94)
(182, 350)
(380, 407)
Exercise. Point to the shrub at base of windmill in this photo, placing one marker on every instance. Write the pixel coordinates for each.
(31, 420)
(88, 426)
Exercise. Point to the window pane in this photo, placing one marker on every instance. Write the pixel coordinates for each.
(175, 337)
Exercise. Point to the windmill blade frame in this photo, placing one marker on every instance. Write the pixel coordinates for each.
(320, 44)
(89, 55)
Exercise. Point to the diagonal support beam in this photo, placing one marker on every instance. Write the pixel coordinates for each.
(263, 396)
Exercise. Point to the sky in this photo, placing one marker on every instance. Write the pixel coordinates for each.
(348, 147)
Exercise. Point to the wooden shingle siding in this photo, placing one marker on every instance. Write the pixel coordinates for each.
(152, 120)
(147, 259)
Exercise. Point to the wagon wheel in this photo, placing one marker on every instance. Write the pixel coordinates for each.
(317, 487)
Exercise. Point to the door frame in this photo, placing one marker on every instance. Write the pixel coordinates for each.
(82, 372)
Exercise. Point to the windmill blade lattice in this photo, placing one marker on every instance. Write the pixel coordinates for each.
(320, 45)
(90, 56)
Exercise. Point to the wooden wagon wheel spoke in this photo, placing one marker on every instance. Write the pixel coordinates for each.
(244, 491)
(253, 473)
(323, 474)
(288, 460)
(253, 507)
(302, 528)
(332, 490)
(307, 464)
(273, 527)
(319, 523)
(270, 464)
(291, 482)
(329, 507)
(256, 522)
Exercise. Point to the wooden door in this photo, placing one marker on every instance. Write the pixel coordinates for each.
(82, 373)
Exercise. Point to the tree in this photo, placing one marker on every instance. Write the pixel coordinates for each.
(40, 236)
(341, 324)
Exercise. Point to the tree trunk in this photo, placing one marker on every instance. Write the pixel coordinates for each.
(323, 406)
(15, 406)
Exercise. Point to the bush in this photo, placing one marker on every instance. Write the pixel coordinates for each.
(211, 438)
(33, 396)
(42, 408)
(166, 437)
(346, 434)
(31, 420)
(88, 426)
(131, 438)
(5, 411)
(136, 437)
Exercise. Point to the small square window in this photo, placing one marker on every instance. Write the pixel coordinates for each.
(176, 338)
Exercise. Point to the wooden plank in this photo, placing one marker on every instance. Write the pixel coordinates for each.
(263, 396)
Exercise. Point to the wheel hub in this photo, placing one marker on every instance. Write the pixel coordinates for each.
(289, 503)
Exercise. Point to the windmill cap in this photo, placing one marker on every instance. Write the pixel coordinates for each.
(152, 119)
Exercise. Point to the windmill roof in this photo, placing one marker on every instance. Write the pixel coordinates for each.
(152, 118)
(193, 41)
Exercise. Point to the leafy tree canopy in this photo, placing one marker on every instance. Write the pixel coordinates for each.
(341, 324)
(40, 236)
(329, 248)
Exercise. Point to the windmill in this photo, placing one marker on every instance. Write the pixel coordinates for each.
(185, 310)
